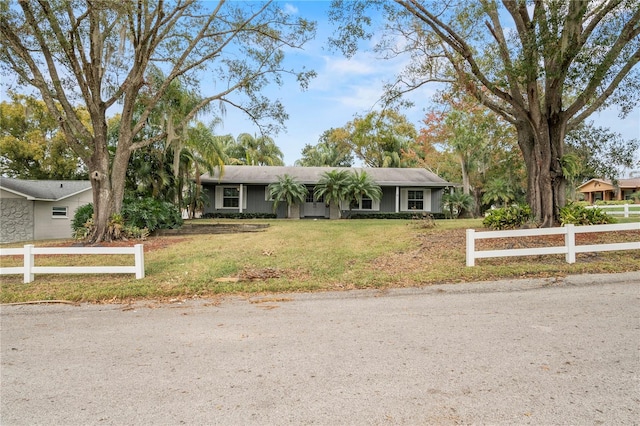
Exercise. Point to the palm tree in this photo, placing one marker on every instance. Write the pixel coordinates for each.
(498, 190)
(360, 185)
(287, 189)
(333, 186)
(457, 202)
(258, 151)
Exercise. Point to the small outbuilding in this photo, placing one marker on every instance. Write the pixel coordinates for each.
(605, 190)
(244, 189)
(39, 209)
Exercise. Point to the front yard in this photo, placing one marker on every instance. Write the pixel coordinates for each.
(309, 255)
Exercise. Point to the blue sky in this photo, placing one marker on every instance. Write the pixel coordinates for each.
(344, 88)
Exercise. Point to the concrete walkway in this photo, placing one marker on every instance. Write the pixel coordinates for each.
(510, 352)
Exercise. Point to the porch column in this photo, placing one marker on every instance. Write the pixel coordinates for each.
(241, 199)
(397, 199)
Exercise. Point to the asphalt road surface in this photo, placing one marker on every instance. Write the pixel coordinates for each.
(512, 352)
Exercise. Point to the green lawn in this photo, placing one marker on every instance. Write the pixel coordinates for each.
(302, 255)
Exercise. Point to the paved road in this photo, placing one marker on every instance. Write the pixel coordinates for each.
(523, 352)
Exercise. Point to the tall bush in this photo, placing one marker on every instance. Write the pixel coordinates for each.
(577, 214)
(510, 217)
(138, 218)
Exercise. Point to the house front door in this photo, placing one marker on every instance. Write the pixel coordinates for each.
(314, 207)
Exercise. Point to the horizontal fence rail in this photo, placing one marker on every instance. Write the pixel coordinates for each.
(569, 249)
(624, 210)
(29, 268)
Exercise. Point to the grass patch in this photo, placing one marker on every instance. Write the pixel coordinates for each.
(302, 255)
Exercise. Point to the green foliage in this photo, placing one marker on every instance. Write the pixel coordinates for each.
(600, 152)
(577, 214)
(510, 217)
(287, 189)
(31, 144)
(330, 151)
(361, 185)
(254, 151)
(82, 215)
(456, 203)
(379, 138)
(151, 213)
(332, 186)
(139, 217)
(498, 190)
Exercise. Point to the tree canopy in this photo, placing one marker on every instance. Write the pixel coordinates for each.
(104, 55)
(31, 144)
(542, 66)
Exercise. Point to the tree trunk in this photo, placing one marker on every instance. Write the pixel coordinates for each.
(542, 150)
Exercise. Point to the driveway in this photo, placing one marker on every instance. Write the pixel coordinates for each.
(511, 352)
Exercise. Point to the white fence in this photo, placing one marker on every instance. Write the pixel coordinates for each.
(627, 209)
(569, 248)
(29, 268)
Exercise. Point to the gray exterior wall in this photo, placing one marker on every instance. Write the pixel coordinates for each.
(27, 220)
(256, 202)
(388, 201)
(436, 200)
(16, 219)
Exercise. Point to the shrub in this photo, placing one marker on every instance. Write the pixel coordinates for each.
(151, 213)
(580, 215)
(138, 218)
(510, 217)
(237, 215)
(82, 215)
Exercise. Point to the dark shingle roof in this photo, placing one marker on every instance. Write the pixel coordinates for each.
(311, 175)
(44, 190)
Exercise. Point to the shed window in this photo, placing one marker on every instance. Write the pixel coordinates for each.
(57, 211)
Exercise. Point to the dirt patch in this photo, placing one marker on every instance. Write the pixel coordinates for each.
(443, 247)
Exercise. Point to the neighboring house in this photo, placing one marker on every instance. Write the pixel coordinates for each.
(39, 209)
(243, 189)
(604, 190)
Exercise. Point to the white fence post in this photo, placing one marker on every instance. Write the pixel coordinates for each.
(139, 260)
(570, 242)
(28, 263)
(471, 247)
(626, 210)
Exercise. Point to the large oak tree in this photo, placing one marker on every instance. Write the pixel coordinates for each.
(544, 66)
(98, 53)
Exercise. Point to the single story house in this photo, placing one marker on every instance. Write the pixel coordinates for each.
(40, 209)
(244, 189)
(604, 190)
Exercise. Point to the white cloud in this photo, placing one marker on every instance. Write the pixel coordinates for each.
(290, 9)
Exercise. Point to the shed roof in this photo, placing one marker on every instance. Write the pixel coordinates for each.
(311, 175)
(44, 190)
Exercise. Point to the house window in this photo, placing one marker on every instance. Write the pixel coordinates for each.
(230, 197)
(365, 203)
(415, 200)
(59, 212)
